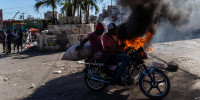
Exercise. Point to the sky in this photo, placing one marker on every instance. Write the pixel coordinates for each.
(11, 7)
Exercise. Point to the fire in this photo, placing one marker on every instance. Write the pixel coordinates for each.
(138, 42)
(151, 50)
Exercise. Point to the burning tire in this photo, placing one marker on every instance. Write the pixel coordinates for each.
(155, 90)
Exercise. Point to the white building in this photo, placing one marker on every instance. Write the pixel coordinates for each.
(49, 15)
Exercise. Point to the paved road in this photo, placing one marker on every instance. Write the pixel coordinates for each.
(31, 67)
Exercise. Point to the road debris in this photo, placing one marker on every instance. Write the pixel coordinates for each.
(62, 68)
(5, 79)
(197, 98)
(57, 72)
(80, 62)
(32, 86)
(167, 44)
(172, 66)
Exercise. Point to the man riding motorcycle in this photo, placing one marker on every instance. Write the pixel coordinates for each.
(114, 52)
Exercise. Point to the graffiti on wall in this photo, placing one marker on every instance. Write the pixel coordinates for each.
(51, 41)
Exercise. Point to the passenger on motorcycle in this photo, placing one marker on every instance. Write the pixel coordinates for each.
(94, 38)
(113, 52)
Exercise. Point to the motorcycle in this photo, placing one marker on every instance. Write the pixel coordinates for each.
(153, 82)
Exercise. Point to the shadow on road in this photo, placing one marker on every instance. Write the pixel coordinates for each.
(33, 52)
(72, 87)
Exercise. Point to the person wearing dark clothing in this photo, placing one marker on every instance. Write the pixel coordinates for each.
(3, 40)
(20, 40)
(15, 35)
(9, 39)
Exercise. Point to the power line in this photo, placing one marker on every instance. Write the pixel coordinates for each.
(17, 7)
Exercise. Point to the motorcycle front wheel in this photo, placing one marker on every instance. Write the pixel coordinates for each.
(154, 90)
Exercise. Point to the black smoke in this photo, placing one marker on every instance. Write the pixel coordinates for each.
(145, 15)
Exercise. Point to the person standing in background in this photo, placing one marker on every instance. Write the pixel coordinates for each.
(30, 36)
(8, 41)
(3, 40)
(26, 37)
(20, 40)
(15, 40)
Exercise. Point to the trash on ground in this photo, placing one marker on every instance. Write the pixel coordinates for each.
(172, 66)
(80, 62)
(5, 79)
(167, 44)
(57, 72)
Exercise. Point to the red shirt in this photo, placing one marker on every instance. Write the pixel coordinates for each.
(108, 42)
(95, 41)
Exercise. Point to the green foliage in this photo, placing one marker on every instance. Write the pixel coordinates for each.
(93, 18)
(32, 24)
(47, 3)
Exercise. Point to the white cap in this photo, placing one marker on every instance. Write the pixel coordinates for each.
(111, 26)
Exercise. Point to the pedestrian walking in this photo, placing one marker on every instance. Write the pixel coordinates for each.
(15, 40)
(20, 40)
(8, 41)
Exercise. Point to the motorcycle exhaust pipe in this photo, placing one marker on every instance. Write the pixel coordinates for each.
(97, 79)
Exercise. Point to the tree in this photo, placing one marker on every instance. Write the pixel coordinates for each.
(65, 7)
(48, 3)
(90, 4)
(93, 18)
(78, 4)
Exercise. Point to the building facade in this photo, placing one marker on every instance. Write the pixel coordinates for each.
(49, 15)
(1, 19)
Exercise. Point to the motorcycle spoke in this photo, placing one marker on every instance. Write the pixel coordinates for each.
(150, 89)
(161, 81)
(147, 81)
(159, 90)
(153, 76)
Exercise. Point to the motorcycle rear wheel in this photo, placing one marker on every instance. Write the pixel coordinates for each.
(93, 84)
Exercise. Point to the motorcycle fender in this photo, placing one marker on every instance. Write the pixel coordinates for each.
(151, 69)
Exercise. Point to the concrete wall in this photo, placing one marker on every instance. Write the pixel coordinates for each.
(72, 28)
(73, 31)
(48, 42)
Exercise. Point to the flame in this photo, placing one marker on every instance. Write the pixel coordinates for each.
(151, 50)
(138, 42)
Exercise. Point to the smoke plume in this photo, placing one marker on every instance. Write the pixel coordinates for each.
(145, 14)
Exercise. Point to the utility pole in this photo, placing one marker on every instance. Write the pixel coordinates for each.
(23, 19)
(23, 16)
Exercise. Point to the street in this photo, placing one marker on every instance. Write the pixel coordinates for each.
(36, 68)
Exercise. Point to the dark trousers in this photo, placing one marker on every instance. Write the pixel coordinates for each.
(4, 46)
(124, 60)
(15, 44)
(9, 47)
(19, 44)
